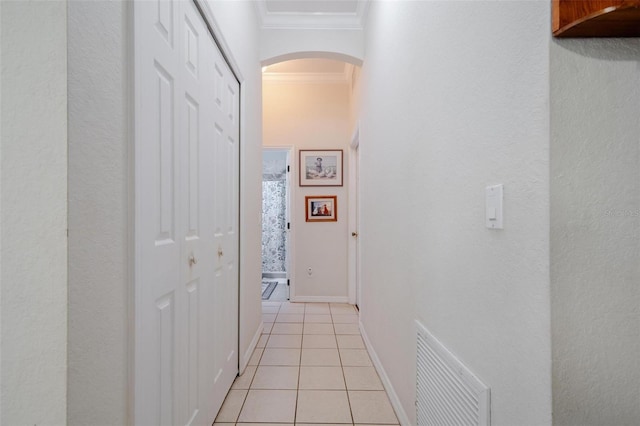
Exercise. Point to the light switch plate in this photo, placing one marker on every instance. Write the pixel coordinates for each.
(493, 209)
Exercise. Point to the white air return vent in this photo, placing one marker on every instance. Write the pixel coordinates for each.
(447, 393)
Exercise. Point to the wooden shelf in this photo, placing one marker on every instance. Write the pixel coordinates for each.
(596, 18)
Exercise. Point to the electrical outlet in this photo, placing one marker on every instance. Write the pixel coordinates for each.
(309, 271)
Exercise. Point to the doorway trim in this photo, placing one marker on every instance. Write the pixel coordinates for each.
(354, 220)
(290, 248)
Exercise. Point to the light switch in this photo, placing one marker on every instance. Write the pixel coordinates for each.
(493, 203)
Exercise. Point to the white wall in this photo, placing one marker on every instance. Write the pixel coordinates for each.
(595, 223)
(313, 116)
(455, 98)
(34, 212)
(99, 231)
(100, 199)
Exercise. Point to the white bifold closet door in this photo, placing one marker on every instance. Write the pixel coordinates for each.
(186, 217)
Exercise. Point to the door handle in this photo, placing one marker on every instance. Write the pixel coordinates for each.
(354, 234)
(192, 260)
(220, 252)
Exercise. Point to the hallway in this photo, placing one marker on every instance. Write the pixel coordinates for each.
(309, 367)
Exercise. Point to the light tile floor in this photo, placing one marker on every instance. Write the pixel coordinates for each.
(309, 367)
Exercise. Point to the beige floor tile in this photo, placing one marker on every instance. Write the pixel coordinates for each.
(317, 318)
(371, 407)
(292, 309)
(319, 424)
(277, 356)
(318, 328)
(347, 328)
(267, 326)
(319, 341)
(317, 406)
(321, 304)
(231, 406)
(286, 328)
(263, 424)
(223, 424)
(344, 319)
(362, 378)
(320, 357)
(267, 303)
(360, 424)
(285, 341)
(290, 318)
(321, 378)
(343, 309)
(317, 309)
(255, 358)
(269, 406)
(275, 377)
(263, 341)
(244, 381)
(350, 342)
(269, 317)
(355, 358)
(270, 309)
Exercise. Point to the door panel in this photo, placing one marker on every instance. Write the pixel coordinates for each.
(186, 165)
(225, 235)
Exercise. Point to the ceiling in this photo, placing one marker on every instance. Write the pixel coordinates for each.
(312, 14)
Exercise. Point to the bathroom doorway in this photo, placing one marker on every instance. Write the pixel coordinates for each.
(276, 225)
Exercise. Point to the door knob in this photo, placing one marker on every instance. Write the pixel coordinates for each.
(192, 260)
(354, 234)
(220, 252)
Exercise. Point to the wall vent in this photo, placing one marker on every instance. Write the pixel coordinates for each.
(447, 393)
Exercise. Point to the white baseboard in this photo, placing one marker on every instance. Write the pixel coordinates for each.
(393, 396)
(252, 346)
(320, 299)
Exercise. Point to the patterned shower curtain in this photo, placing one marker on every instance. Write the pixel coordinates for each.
(274, 192)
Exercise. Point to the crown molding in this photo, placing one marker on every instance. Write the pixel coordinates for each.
(306, 77)
(312, 21)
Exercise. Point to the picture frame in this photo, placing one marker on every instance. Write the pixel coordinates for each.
(321, 208)
(321, 167)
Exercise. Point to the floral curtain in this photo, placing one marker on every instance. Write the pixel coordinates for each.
(274, 193)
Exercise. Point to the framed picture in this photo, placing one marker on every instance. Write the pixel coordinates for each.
(320, 168)
(321, 208)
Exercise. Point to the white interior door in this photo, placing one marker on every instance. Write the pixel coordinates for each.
(186, 165)
(225, 126)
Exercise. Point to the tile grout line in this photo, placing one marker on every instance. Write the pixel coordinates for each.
(295, 410)
(333, 326)
(255, 373)
(344, 378)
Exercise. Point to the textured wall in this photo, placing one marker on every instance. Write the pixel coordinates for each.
(312, 116)
(34, 212)
(455, 98)
(98, 213)
(595, 231)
